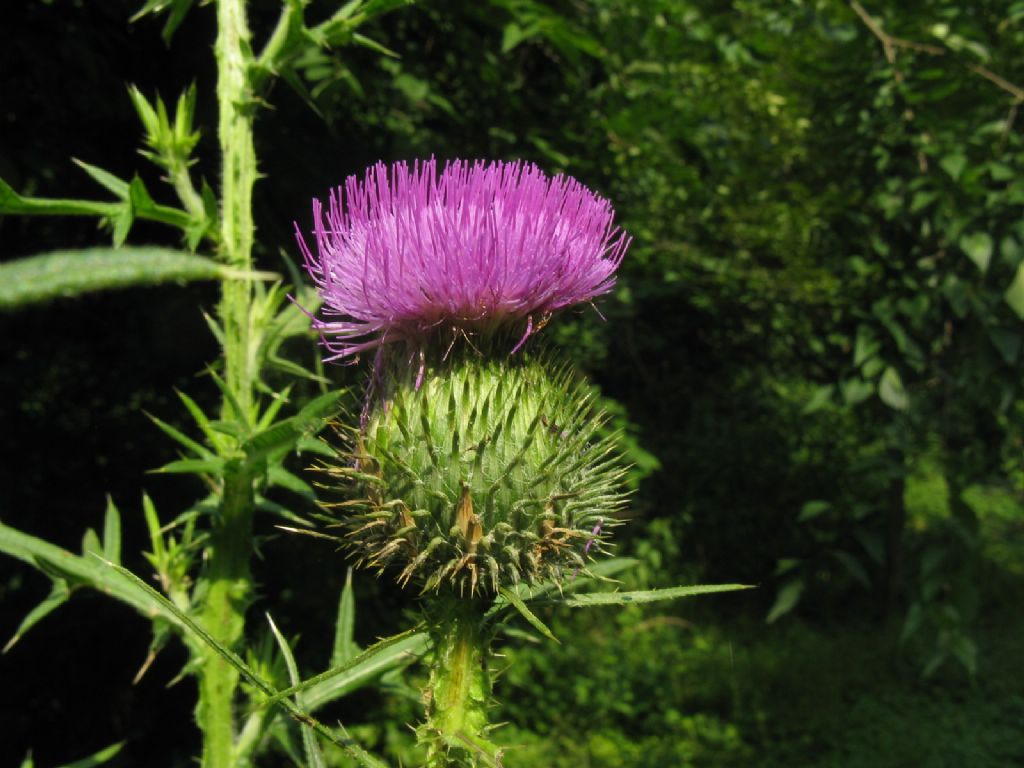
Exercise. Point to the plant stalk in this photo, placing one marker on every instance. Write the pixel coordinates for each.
(227, 578)
(460, 689)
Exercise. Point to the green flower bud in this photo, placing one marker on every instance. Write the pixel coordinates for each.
(486, 473)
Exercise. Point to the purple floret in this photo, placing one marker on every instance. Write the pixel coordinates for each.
(479, 247)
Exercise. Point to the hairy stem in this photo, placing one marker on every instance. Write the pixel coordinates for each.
(227, 580)
(460, 688)
(228, 588)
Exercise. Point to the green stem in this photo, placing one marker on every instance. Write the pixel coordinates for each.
(227, 579)
(181, 179)
(460, 688)
(238, 150)
(228, 588)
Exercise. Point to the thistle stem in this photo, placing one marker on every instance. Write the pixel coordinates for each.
(460, 688)
(227, 579)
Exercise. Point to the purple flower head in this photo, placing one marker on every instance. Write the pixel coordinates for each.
(478, 247)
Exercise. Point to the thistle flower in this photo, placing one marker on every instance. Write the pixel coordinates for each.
(479, 247)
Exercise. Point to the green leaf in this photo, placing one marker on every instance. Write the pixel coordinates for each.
(156, 533)
(1014, 295)
(57, 597)
(99, 758)
(373, 45)
(112, 533)
(181, 438)
(813, 509)
(144, 207)
(77, 570)
(646, 596)
(891, 390)
(201, 419)
(213, 466)
(345, 648)
(1007, 343)
(281, 477)
(107, 180)
(865, 346)
(912, 623)
(786, 599)
(281, 699)
(527, 614)
(854, 567)
(602, 570)
(820, 399)
(72, 273)
(282, 436)
(179, 9)
(954, 164)
(345, 678)
(856, 390)
(513, 35)
(978, 247)
(314, 757)
(266, 505)
(13, 203)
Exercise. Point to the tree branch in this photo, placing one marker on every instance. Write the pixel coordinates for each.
(890, 45)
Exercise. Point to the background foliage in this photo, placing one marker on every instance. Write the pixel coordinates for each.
(814, 351)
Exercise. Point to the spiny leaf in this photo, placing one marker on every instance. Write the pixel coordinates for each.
(278, 698)
(646, 596)
(76, 570)
(13, 203)
(72, 273)
(345, 648)
(314, 757)
(282, 436)
(602, 570)
(336, 682)
(282, 478)
(57, 597)
(180, 437)
(527, 614)
(107, 180)
(156, 534)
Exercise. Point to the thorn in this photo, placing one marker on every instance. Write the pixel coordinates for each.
(146, 664)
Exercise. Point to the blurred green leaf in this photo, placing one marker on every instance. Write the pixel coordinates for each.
(1014, 295)
(786, 599)
(954, 164)
(72, 273)
(813, 509)
(891, 390)
(978, 247)
(101, 757)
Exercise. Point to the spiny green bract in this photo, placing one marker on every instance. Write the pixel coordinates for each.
(490, 473)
